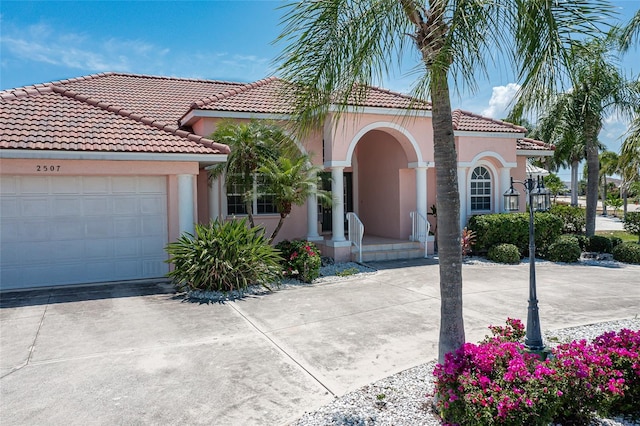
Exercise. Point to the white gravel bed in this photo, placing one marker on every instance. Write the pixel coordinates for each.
(401, 399)
(329, 273)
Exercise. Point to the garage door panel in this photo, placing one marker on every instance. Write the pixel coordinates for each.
(35, 207)
(9, 230)
(96, 206)
(124, 249)
(97, 229)
(66, 185)
(66, 228)
(125, 205)
(95, 185)
(150, 184)
(152, 205)
(151, 225)
(66, 206)
(33, 185)
(127, 226)
(72, 229)
(33, 230)
(99, 249)
(124, 185)
(8, 185)
(10, 208)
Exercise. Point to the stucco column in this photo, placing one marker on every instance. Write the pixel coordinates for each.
(186, 203)
(214, 199)
(505, 183)
(337, 206)
(421, 190)
(312, 214)
(462, 189)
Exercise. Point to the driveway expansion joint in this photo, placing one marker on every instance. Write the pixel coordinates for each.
(283, 351)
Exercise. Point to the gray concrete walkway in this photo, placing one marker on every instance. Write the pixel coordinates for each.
(143, 356)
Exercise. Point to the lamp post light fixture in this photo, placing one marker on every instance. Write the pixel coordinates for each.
(539, 200)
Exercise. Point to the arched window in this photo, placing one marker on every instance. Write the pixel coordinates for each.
(480, 189)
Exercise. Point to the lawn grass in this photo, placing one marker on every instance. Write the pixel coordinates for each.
(626, 237)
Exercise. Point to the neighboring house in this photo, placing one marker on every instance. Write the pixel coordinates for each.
(99, 173)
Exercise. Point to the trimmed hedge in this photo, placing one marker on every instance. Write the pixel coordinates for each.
(565, 249)
(504, 253)
(574, 218)
(599, 244)
(632, 223)
(627, 252)
(513, 228)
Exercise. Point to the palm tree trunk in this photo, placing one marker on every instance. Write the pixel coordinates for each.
(275, 231)
(448, 219)
(574, 183)
(604, 195)
(593, 164)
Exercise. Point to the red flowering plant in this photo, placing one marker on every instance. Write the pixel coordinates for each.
(495, 382)
(301, 259)
(623, 348)
(499, 382)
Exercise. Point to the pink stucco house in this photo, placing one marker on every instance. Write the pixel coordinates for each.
(99, 173)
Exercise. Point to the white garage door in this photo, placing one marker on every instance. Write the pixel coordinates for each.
(57, 230)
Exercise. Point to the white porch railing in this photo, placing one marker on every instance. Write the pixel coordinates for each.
(420, 227)
(355, 232)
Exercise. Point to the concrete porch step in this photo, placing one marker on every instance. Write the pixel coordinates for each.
(395, 250)
(381, 255)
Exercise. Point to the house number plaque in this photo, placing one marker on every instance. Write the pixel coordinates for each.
(47, 168)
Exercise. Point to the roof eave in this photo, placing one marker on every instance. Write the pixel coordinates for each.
(202, 159)
(534, 152)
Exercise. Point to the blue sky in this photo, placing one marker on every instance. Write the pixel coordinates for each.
(43, 41)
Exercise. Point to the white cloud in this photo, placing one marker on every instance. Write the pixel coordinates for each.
(501, 100)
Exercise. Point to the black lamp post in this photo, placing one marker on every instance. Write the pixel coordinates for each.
(539, 200)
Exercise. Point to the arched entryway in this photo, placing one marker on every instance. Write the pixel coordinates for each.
(385, 188)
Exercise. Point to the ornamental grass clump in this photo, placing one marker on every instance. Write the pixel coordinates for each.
(223, 256)
(301, 259)
(499, 382)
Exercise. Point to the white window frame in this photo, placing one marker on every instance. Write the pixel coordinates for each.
(256, 199)
(486, 184)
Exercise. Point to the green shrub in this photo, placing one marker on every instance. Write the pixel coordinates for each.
(574, 219)
(504, 253)
(599, 244)
(632, 223)
(627, 252)
(513, 228)
(301, 259)
(565, 249)
(583, 240)
(615, 241)
(223, 256)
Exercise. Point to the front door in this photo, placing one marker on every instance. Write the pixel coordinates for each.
(348, 199)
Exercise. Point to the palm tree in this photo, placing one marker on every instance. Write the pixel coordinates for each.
(599, 89)
(290, 182)
(252, 144)
(630, 160)
(558, 125)
(608, 166)
(334, 48)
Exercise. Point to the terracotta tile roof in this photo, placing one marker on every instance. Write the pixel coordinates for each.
(129, 112)
(275, 96)
(270, 95)
(47, 117)
(534, 145)
(468, 121)
(164, 99)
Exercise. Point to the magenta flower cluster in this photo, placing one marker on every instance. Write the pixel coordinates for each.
(498, 382)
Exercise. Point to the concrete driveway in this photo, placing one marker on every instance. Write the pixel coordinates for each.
(141, 355)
